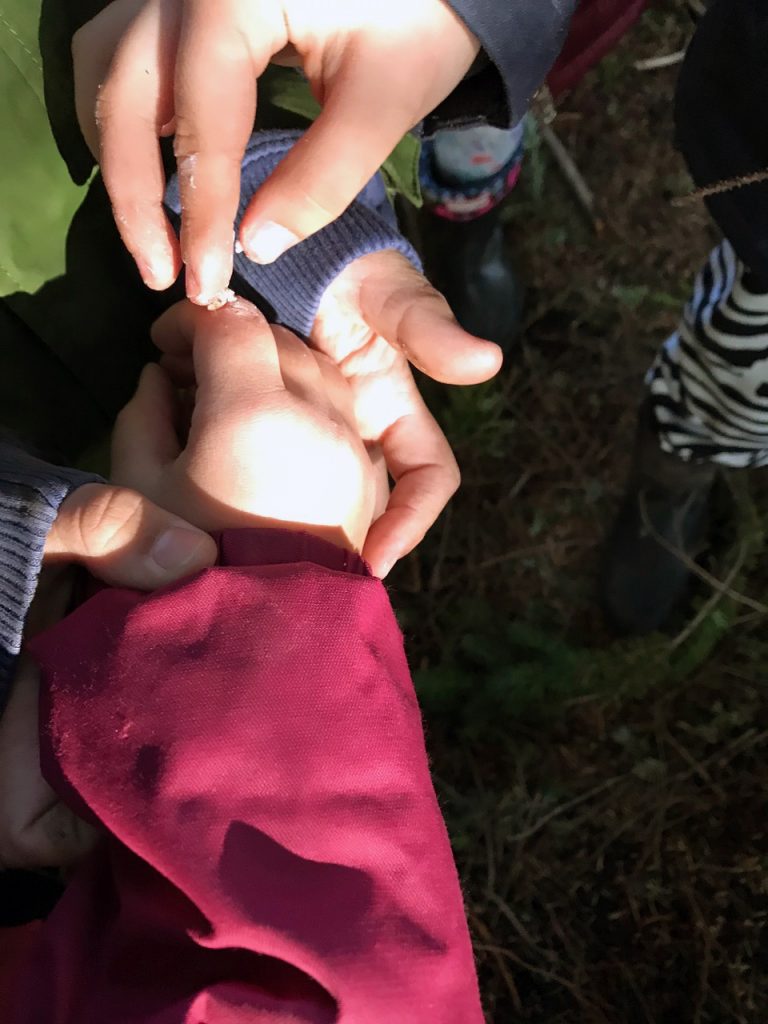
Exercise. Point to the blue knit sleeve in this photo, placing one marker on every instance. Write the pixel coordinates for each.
(31, 492)
(289, 290)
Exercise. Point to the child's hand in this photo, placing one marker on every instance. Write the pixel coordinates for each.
(147, 68)
(272, 440)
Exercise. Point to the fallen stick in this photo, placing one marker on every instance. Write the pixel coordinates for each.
(571, 173)
(667, 60)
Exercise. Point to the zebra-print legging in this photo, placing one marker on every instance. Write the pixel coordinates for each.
(709, 384)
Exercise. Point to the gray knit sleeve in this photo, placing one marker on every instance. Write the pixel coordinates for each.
(31, 492)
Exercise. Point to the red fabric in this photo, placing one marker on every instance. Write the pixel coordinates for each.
(15, 946)
(252, 742)
(597, 27)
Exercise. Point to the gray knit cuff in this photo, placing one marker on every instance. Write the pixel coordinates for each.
(289, 290)
(31, 492)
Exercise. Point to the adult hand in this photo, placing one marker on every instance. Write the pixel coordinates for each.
(148, 68)
(379, 314)
(120, 537)
(272, 439)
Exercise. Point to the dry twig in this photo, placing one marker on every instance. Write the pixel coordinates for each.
(720, 187)
(721, 587)
(563, 809)
(571, 173)
(666, 60)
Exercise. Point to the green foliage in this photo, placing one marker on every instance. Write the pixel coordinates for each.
(495, 670)
(636, 296)
(536, 162)
(38, 197)
(477, 417)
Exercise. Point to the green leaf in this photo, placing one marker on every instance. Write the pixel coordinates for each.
(38, 197)
(401, 170)
(73, 313)
(287, 90)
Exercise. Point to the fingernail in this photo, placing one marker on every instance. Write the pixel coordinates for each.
(157, 272)
(384, 569)
(213, 277)
(268, 241)
(178, 549)
(208, 278)
(239, 246)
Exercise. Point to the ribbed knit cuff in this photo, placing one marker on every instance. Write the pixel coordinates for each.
(289, 290)
(31, 492)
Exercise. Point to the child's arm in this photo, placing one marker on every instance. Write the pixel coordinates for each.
(251, 738)
(253, 741)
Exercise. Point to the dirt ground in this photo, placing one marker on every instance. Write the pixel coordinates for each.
(605, 797)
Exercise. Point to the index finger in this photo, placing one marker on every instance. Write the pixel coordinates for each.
(215, 106)
(328, 166)
(130, 106)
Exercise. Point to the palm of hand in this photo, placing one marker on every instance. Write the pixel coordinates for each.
(383, 290)
(272, 440)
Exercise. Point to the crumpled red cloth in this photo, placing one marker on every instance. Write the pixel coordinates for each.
(252, 743)
(597, 27)
(15, 946)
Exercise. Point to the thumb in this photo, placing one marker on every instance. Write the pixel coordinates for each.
(325, 170)
(397, 302)
(124, 539)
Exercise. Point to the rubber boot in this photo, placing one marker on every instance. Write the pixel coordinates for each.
(470, 263)
(659, 530)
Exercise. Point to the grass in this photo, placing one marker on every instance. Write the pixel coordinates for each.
(605, 797)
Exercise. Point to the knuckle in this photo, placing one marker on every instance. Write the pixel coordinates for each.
(321, 208)
(309, 204)
(453, 476)
(222, 156)
(186, 140)
(105, 519)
